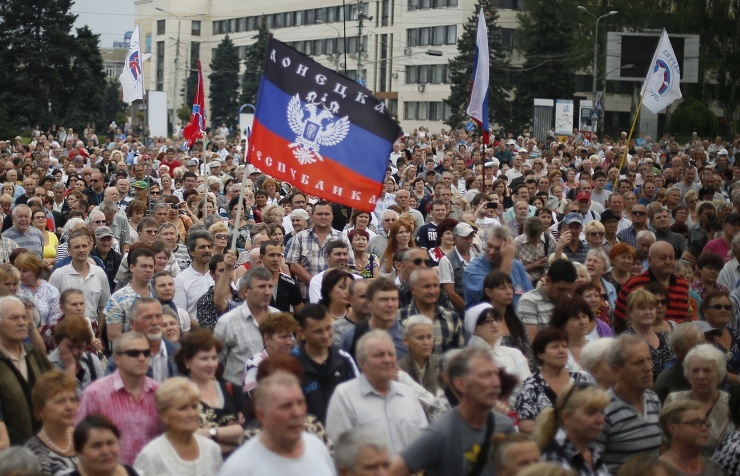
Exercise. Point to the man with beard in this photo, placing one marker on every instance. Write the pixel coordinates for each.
(192, 283)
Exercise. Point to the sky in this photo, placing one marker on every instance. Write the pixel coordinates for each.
(110, 19)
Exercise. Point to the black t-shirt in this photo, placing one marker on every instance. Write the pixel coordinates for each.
(287, 294)
(427, 236)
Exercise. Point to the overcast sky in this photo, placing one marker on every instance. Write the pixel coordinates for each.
(110, 19)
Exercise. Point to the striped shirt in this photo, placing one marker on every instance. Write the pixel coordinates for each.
(627, 432)
(32, 239)
(136, 418)
(678, 296)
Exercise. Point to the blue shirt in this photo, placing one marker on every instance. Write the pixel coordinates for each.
(475, 273)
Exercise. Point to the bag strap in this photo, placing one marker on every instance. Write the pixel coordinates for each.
(485, 447)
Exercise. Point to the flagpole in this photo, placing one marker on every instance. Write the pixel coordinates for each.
(629, 138)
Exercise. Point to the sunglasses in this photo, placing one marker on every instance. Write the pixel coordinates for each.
(639, 213)
(720, 307)
(416, 261)
(490, 320)
(134, 353)
(596, 233)
(221, 236)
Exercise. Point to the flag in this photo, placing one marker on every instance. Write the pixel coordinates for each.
(661, 85)
(196, 128)
(132, 77)
(478, 106)
(320, 131)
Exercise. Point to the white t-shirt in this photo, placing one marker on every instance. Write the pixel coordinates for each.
(254, 459)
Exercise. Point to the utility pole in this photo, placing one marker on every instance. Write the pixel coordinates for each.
(360, 43)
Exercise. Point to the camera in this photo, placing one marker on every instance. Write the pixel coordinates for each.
(492, 205)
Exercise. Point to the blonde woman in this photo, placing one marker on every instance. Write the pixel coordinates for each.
(220, 233)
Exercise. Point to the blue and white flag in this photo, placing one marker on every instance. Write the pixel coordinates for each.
(132, 77)
(662, 86)
(478, 106)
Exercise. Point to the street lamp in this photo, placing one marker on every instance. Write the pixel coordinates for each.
(596, 47)
(177, 59)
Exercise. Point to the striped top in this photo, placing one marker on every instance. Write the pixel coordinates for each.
(627, 432)
(678, 296)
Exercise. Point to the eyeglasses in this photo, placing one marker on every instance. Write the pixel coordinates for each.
(221, 236)
(720, 307)
(94, 180)
(696, 422)
(639, 213)
(134, 353)
(662, 302)
(40, 217)
(151, 232)
(489, 321)
(416, 261)
(596, 233)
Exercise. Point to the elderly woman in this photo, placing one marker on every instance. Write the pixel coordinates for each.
(271, 187)
(672, 198)
(445, 240)
(73, 336)
(705, 368)
(542, 389)
(360, 220)
(366, 264)
(171, 329)
(622, 256)
(55, 405)
(593, 359)
(597, 263)
(484, 324)
(573, 316)
(641, 314)
(399, 238)
(222, 405)
(299, 221)
(599, 327)
(567, 432)
(717, 310)
(35, 289)
(135, 211)
(421, 365)
(708, 267)
(684, 424)
(39, 221)
(220, 233)
(180, 450)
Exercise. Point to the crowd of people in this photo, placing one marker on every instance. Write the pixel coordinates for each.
(527, 307)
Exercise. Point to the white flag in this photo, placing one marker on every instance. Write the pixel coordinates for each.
(662, 86)
(132, 78)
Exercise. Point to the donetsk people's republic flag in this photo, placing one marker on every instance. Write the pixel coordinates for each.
(320, 131)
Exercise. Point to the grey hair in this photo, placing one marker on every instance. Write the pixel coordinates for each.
(19, 460)
(594, 352)
(108, 206)
(134, 311)
(93, 213)
(260, 273)
(125, 338)
(194, 236)
(21, 208)
(645, 234)
(501, 232)
(5, 300)
(73, 223)
(58, 186)
(682, 332)
(160, 205)
(349, 444)
(616, 354)
(364, 343)
(416, 274)
(391, 213)
(211, 220)
(462, 363)
(707, 352)
(415, 321)
(601, 254)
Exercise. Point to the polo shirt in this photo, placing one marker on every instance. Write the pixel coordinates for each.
(535, 308)
(95, 287)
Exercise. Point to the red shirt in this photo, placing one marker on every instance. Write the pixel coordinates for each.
(678, 296)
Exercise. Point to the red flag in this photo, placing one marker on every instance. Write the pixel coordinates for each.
(196, 128)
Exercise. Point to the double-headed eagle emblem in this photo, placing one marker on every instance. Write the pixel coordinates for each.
(314, 125)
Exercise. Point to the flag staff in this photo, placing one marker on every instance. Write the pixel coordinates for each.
(629, 137)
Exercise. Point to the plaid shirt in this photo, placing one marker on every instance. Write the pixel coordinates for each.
(528, 253)
(306, 251)
(447, 327)
(6, 247)
(699, 288)
(580, 254)
(562, 452)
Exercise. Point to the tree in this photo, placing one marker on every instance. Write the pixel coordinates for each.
(255, 61)
(461, 73)
(695, 116)
(546, 39)
(191, 84)
(35, 45)
(224, 83)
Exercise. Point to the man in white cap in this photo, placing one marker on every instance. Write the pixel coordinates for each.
(490, 169)
(452, 265)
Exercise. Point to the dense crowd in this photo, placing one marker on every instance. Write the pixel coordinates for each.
(556, 307)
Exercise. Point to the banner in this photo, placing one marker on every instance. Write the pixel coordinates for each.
(478, 107)
(662, 83)
(320, 131)
(132, 77)
(197, 126)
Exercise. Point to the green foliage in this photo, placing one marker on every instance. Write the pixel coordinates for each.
(254, 62)
(224, 83)
(184, 112)
(546, 38)
(461, 72)
(693, 115)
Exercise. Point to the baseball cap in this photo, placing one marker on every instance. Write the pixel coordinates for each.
(723, 152)
(215, 163)
(472, 315)
(192, 163)
(489, 164)
(511, 142)
(608, 215)
(463, 229)
(706, 328)
(522, 149)
(732, 218)
(141, 184)
(103, 231)
(583, 196)
(573, 217)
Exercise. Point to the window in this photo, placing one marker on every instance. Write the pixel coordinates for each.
(251, 23)
(413, 5)
(288, 19)
(298, 18)
(148, 43)
(412, 75)
(451, 35)
(438, 35)
(160, 65)
(330, 46)
(277, 20)
(310, 17)
(321, 14)
(160, 27)
(409, 110)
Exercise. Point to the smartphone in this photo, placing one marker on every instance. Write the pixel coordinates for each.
(492, 205)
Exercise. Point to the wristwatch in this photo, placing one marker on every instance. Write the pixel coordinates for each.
(214, 434)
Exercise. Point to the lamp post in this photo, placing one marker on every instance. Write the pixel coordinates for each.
(177, 59)
(596, 48)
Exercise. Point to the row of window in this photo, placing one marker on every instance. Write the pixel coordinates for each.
(287, 19)
(426, 110)
(426, 4)
(432, 74)
(328, 46)
(432, 36)
(194, 27)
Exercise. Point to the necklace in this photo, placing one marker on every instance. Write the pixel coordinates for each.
(338, 317)
(55, 447)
